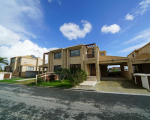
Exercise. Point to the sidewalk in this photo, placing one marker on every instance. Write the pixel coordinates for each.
(26, 79)
(116, 86)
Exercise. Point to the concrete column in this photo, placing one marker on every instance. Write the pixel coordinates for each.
(48, 68)
(43, 63)
(97, 63)
(62, 58)
(82, 57)
(67, 59)
(130, 68)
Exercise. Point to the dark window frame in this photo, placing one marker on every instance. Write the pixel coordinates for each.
(74, 54)
(12, 60)
(56, 67)
(133, 55)
(102, 54)
(57, 55)
(19, 60)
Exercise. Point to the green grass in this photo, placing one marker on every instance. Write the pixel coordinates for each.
(12, 80)
(64, 84)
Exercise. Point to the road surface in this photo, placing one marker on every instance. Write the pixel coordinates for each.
(33, 103)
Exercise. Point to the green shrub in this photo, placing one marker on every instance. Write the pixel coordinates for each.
(62, 73)
(78, 77)
(40, 79)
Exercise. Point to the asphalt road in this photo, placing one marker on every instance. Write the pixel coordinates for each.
(18, 102)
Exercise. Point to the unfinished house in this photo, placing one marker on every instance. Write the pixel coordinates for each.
(20, 65)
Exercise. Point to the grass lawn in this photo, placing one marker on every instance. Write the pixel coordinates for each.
(64, 84)
(13, 80)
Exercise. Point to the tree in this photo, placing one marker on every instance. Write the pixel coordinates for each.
(4, 60)
(62, 73)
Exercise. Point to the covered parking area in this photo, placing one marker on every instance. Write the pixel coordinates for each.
(117, 72)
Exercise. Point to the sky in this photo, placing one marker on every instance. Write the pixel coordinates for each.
(38, 26)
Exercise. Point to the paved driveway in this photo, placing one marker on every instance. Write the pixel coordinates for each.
(18, 102)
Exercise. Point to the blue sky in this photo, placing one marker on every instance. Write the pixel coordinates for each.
(37, 26)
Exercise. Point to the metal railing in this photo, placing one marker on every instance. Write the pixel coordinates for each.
(90, 55)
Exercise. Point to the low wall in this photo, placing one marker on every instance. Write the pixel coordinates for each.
(31, 73)
(15, 74)
(5, 75)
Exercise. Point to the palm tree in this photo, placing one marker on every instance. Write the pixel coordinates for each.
(4, 60)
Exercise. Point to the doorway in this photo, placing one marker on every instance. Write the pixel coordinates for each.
(92, 70)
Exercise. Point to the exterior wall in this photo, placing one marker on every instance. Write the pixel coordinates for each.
(145, 49)
(102, 52)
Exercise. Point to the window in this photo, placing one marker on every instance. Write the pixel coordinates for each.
(93, 51)
(56, 67)
(57, 55)
(102, 54)
(12, 60)
(19, 60)
(11, 69)
(30, 68)
(75, 53)
(75, 67)
(125, 68)
(133, 55)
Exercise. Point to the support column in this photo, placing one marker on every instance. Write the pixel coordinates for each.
(62, 58)
(67, 59)
(130, 68)
(48, 67)
(97, 63)
(82, 56)
(43, 63)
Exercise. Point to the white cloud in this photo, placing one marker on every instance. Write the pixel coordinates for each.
(132, 48)
(73, 31)
(8, 37)
(144, 6)
(15, 15)
(110, 29)
(23, 48)
(144, 35)
(129, 17)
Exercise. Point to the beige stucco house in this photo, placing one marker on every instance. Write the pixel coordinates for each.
(95, 61)
(20, 64)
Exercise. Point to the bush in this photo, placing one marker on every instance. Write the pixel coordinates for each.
(62, 73)
(40, 79)
(78, 77)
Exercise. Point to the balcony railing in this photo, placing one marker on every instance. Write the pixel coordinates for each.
(90, 55)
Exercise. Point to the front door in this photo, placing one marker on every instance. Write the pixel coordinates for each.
(92, 70)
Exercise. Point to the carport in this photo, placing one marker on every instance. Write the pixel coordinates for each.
(105, 61)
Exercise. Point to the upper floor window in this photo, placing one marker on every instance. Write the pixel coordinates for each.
(57, 55)
(12, 60)
(19, 60)
(30, 68)
(75, 53)
(133, 55)
(102, 54)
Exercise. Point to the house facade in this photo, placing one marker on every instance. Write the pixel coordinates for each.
(88, 57)
(20, 64)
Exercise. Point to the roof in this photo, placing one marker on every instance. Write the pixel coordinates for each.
(105, 58)
(27, 56)
(29, 65)
(143, 56)
(139, 48)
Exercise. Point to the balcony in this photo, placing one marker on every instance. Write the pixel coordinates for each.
(90, 55)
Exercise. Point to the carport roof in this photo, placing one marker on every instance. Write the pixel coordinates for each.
(144, 56)
(105, 58)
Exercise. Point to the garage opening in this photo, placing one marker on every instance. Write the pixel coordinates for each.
(114, 70)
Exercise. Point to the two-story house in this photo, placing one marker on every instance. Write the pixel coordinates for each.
(20, 64)
(87, 57)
